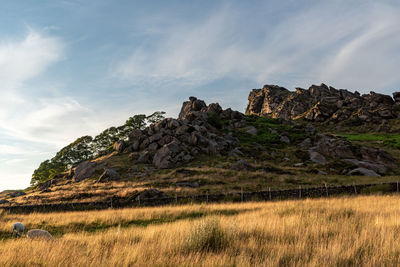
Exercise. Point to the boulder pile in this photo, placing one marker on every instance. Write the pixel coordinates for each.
(171, 142)
(368, 161)
(322, 103)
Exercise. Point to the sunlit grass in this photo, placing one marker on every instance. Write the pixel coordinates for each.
(323, 232)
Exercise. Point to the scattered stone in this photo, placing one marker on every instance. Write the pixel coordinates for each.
(17, 193)
(242, 165)
(285, 139)
(251, 130)
(4, 201)
(188, 184)
(151, 194)
(300, 164)
(317, 157)
(363, 171)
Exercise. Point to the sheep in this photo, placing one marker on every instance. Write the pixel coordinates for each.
(18, 228)
(39, 234)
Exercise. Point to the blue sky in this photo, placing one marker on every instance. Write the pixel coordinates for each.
(71, 68)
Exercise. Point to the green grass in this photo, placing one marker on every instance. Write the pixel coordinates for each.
(389, 140)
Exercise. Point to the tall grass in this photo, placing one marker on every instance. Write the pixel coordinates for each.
(355, 231)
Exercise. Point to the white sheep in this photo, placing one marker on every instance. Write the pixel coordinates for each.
(39, 234)
(18, 228)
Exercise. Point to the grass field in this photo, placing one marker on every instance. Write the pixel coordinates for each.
(323, 232)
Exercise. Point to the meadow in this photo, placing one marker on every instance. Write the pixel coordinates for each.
(346, 231)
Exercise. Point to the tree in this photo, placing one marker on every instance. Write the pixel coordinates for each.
(86, 147)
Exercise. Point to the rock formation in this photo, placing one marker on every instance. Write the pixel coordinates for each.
(322, 103)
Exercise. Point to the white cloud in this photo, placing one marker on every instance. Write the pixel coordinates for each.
(355, 48)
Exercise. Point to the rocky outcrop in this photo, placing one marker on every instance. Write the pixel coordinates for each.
(109, 175)
(171, 142)
(328, 146)
(322, 103)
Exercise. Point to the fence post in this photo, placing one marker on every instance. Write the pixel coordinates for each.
(176, 198)
(397, 186)
(326, 189)
(139, 200)
(241, 194)
(111, 203)
(269, 191)
(207, 196)
(299, 191)
(355, 189)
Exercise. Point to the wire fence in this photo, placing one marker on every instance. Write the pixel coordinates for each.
(268, 195)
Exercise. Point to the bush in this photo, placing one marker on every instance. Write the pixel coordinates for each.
(205, 236)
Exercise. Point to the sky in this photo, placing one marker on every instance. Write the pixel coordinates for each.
(75, 67)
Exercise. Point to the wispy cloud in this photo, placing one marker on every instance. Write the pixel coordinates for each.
(325, 42)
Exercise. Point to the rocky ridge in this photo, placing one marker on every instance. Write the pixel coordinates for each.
(323, 103)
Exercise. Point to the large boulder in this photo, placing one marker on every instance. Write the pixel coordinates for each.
(84, 170)
(109, 175)
(119, 146)
(164, 157)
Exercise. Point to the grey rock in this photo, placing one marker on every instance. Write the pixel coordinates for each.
(251, 130)
(119, 146)
(17, 193)
(317, 157)
(242, 165)
(109, 175)
(4, 201)
(363, 171)
(188, 184)
(145, 157)
(151, 194)
(285, 139)
(84, 170)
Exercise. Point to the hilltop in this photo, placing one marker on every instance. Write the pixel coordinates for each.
(284, 140)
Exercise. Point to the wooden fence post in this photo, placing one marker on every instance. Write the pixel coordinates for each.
(299, 191)
(269, 190)
(241, 194)
(207, 196)
(139, 200)
(326, 189)
(397, 186)
(355, 189)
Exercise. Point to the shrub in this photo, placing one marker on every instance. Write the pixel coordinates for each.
(205, 236)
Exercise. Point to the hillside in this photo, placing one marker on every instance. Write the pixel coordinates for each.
(285, 140)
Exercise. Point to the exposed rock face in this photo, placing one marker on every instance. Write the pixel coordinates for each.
(171, 142)
(323, 103)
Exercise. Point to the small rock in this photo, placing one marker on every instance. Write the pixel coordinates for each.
(298, 164)
(17, 194)
(363, 171)
(188, 184)
(251, 130)
(119, 146)
(285, 139)
(322, 172)
(4, 201)
(242, 165)
(317, 157)
(151, 194)
(286, 159)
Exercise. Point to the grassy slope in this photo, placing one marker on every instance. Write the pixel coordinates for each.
(323, 232)
(214, 173)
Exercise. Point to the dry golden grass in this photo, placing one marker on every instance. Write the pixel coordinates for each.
(324, 232)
